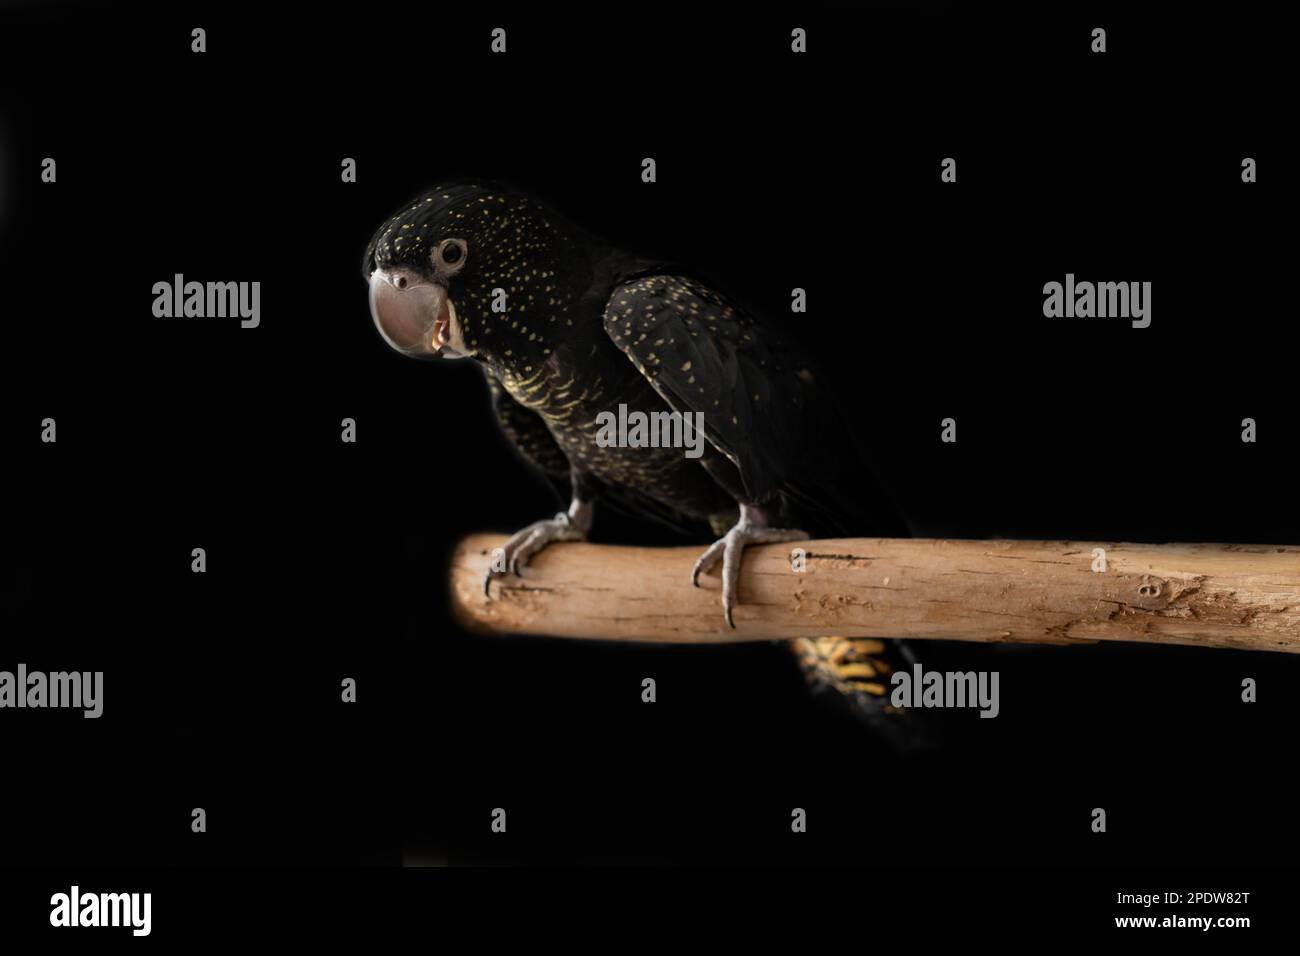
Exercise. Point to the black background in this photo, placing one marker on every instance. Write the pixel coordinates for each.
(325, 560)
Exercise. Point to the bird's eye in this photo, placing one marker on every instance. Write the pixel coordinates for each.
(400, 282)
(452, 251)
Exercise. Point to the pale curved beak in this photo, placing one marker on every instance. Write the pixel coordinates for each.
(414, 316)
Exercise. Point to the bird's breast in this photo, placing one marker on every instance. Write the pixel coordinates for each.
(611, 425)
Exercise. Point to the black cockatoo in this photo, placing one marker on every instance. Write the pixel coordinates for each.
(565, 327)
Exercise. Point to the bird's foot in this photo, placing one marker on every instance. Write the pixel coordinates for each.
(750, 529)
(519, 550)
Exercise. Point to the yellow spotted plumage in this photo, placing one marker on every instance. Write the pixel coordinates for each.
(568, 327)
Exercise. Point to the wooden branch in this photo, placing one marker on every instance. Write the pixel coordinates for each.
(1212, 595)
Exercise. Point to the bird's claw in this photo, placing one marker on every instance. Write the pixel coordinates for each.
(728, 550)
(519, 550)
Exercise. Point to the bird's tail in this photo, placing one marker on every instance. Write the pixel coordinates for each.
(854, 672)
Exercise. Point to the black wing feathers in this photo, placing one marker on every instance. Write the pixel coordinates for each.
(763, 406)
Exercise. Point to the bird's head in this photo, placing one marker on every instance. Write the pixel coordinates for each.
(475, 270)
